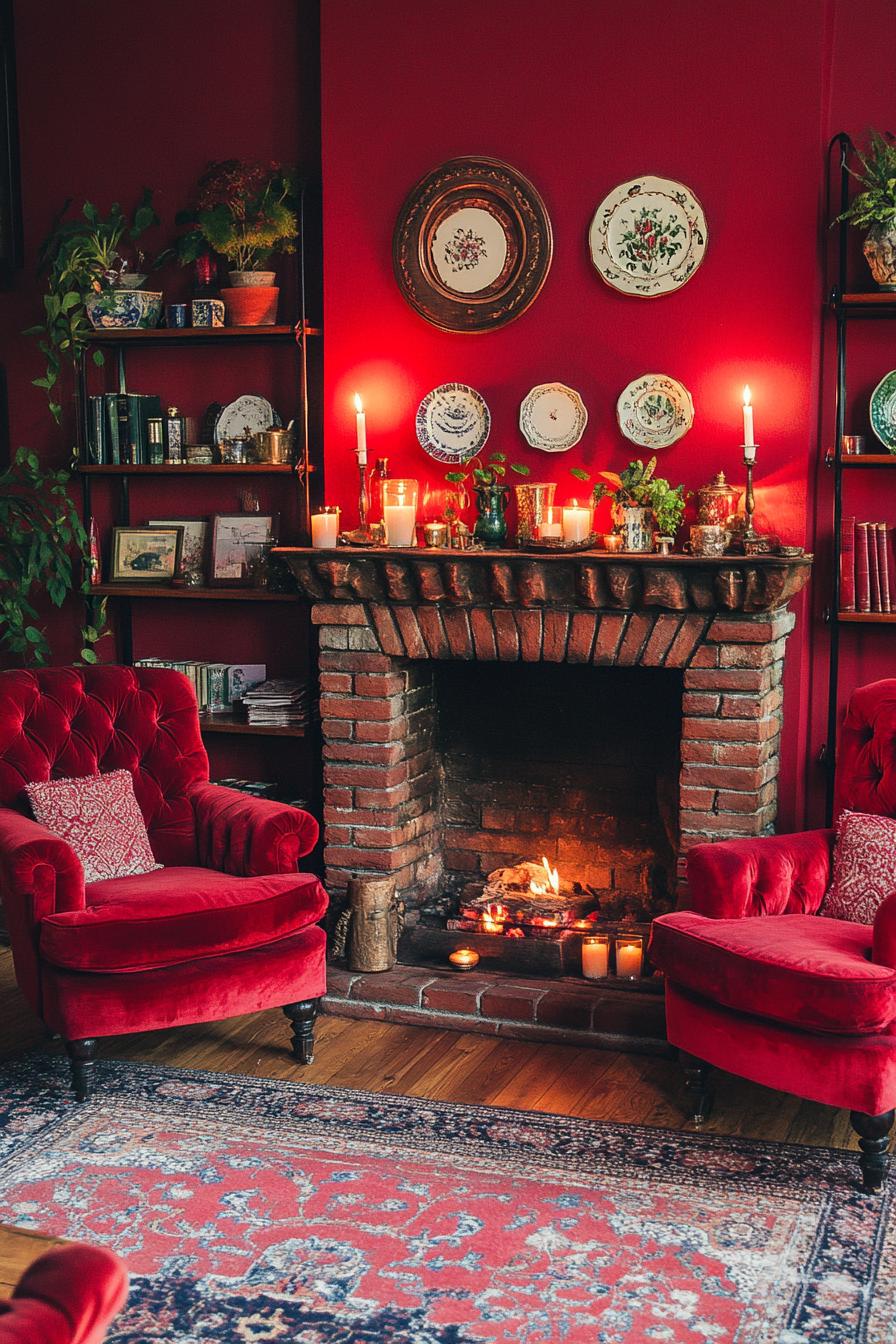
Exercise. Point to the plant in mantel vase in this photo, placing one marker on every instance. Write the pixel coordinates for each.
(247, 212)
(491, 495)
(874, 208)
(644, 505)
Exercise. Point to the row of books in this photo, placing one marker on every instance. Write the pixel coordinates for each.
(119, 431)
(278, 702)
(867, 566)
(218, 686)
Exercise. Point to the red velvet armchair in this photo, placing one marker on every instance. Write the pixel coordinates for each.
(227, 926)
(758, 984)
(68, 1296)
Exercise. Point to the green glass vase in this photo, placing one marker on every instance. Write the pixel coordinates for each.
(491, 524)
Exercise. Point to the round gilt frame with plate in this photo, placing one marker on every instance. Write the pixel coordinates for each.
(472, 245)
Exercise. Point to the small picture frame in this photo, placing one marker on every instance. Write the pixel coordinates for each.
(145, 554)
(236, 537)
(194, 548)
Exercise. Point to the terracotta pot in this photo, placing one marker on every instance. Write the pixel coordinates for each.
(252, 306)
(238, 278)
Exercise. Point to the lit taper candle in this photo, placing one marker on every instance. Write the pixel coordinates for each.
(361, 423)
(749, 441)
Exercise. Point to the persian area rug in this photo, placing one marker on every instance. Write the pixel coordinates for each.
(252, 1211)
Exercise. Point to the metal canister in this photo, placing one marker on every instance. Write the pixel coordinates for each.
(236, 451)
(156, 440)
(274, 445)
(717, 502)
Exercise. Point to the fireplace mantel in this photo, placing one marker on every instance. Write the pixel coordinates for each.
(590, 580)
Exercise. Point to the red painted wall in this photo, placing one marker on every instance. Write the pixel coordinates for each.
(580, 95)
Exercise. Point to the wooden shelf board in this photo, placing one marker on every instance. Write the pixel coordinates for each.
(867, 617)
(869, 460)
(235, 723)
(196, 335)
(158, 590)
(189, 469)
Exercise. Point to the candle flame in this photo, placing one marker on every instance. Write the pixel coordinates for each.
(748, 396)
(359, 405)
(552, 884)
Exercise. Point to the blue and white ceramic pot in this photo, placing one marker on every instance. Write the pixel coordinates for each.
(124, 308)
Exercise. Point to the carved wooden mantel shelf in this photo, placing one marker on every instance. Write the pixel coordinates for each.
(592, 580)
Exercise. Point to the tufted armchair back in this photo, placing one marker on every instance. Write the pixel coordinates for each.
(63, 722)
(866, 753)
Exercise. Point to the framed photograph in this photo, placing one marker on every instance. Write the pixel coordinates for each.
(11, 246)
(145, 554)
(236, 539)
(194, 550)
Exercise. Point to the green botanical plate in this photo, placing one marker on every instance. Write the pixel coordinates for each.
(883, 411)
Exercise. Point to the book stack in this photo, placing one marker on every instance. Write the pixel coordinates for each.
(279, 702)
(218, 686)
(118, 429)
(867, 567)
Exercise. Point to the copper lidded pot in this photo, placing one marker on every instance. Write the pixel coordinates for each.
(717, 502)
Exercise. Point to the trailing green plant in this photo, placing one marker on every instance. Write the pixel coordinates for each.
(483, 474)
(45, 548)
(245, 211)
(80, 257)
(638, 486)
(876, 202)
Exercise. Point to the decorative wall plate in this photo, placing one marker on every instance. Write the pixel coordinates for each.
(655, 410)
(883, 411)
(553, 417)
(472, 245)
(453, 423)
(244, 417)
(648, 236)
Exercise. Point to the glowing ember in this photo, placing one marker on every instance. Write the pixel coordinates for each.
(494, 917)
(514, 932)
(552, 884)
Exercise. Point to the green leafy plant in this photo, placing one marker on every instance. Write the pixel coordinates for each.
(44, 547)
(876, 202)
(245, 211)
(80, 257)
(488, 472)
(638, 486)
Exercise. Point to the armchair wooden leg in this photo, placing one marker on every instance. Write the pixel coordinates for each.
(302, 1016)
(698, 1079)
(874, 1140)
(82, 1057)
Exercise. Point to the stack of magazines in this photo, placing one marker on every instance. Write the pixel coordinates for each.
(277, 702)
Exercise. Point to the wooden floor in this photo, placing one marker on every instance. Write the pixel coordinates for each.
(437, 1065)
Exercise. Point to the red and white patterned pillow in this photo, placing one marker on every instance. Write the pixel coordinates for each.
(864, 867)
(99, 816)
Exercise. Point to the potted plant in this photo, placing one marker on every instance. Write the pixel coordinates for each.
(644, 504)
(246, 212)
(874, 208)
(44, 545)
(491, 495)
(91, 283)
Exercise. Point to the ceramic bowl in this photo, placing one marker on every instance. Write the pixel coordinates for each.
(124, 308)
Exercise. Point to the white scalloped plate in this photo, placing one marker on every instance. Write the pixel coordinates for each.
(655, 410)
(648, 236)
(553, 417)
(453, 423)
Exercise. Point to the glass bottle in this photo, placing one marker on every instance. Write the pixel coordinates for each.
(380, 474)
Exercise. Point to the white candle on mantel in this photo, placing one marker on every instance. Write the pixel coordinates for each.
(628, 957)
(550, 526)
(595, 957)
(400, 521)
(576, 521)
(324, 529)
(361, 426)
(749, 441)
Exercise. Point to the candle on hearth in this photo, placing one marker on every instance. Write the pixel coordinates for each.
(464, 959)
(595, 956)
(361, 427)
(324, 528)
(576, 521)
(629, 955)
(400, 511)
(550, 527)
(749, 441)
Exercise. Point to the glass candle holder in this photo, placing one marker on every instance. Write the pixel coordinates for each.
(325, 528)
(550, 528)
(576, 521)
(596, 956)
(629, 956)
(400, 511)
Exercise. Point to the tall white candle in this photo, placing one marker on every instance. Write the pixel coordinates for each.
(749, 441)
(361, 428)
(576, 522)
(400, 521)
(324, 529)
(628, 957)
(595, 957)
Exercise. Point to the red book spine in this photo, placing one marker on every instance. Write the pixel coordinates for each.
(883, 564)
(847, 564)
(863, 568)
(874, 568)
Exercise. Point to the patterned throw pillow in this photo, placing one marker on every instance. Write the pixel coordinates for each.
(100, 818)
(864, 867)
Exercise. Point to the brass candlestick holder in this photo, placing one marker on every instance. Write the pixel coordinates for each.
(363, 534)
(755, 543)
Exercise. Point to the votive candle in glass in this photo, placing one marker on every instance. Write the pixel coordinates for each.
(550, 527)
(576, 521)
(596, 956)
(629, 956)
(324, 528)
(463, 959)
(400, 511)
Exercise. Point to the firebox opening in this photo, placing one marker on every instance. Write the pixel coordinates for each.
(576, 764)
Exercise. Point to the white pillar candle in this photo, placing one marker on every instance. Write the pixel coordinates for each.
(576, 522)
(324, 529)
(400, 521)
(595, 957)
(628, 957)
(361, 430)
(749, 441)
(550, 526)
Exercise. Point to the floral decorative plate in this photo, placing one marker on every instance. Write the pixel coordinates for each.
(883, 411)
(472, 245)
(453, 423)
(648, 236)
(553, 417)
(655, 410)
(245, 416)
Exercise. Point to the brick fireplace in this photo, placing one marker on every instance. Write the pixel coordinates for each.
(483, 708)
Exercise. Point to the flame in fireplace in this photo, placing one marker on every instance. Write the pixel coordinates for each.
(494, 918)
(553, 881)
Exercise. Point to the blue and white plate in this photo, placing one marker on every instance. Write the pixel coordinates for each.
(453, 423)
(883, 411)
(244, 417)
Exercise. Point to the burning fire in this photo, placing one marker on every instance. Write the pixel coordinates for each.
(553, 881)
(494, 918)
